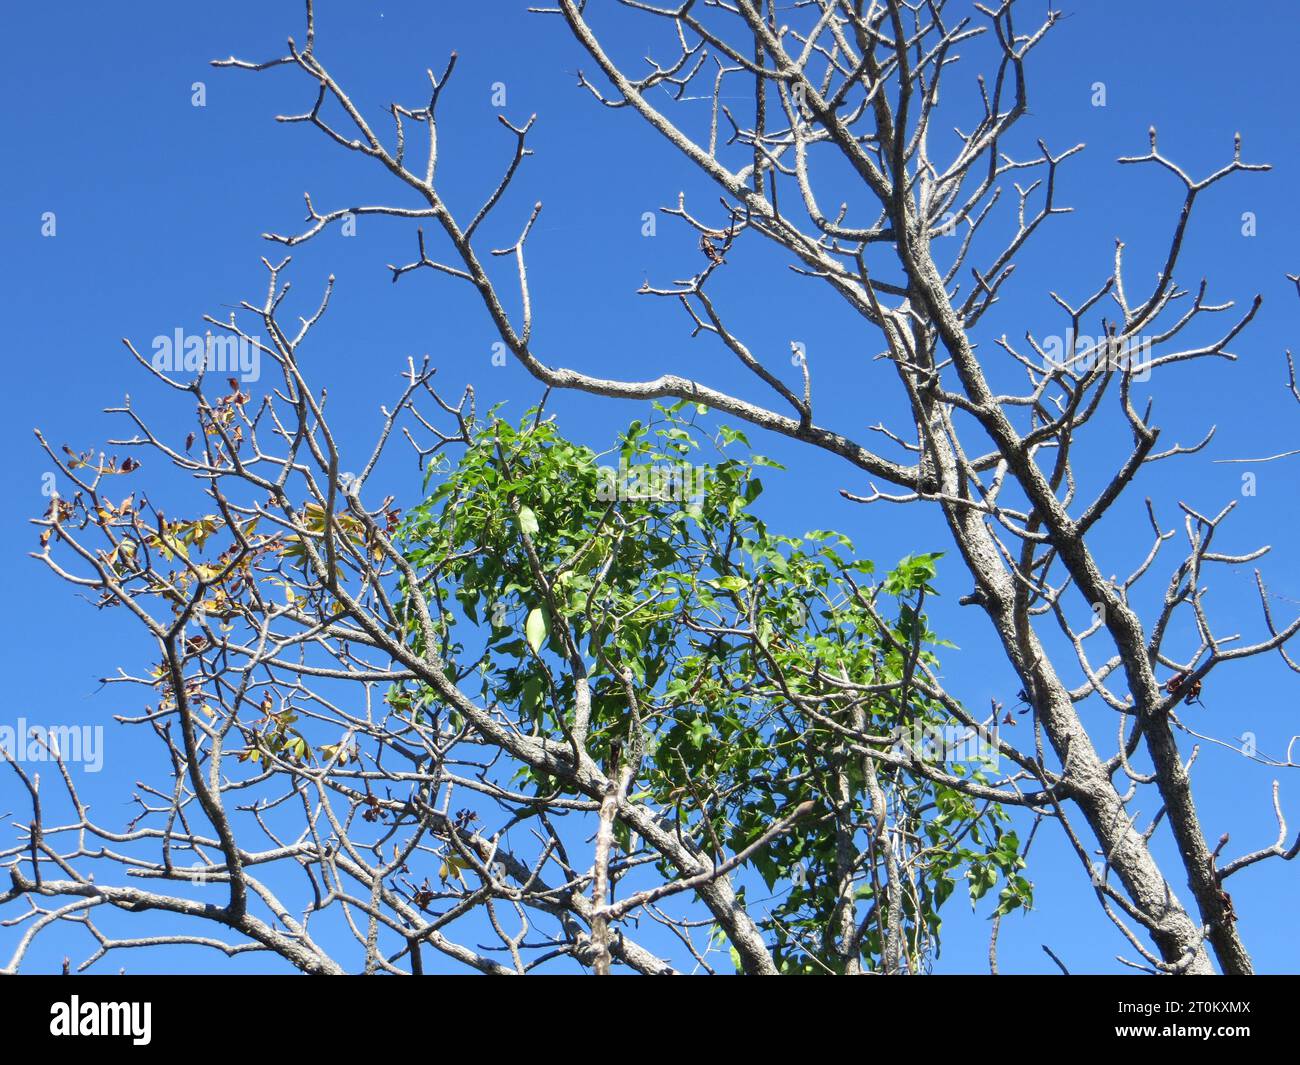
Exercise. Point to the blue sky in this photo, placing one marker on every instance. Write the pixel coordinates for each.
(161, 205)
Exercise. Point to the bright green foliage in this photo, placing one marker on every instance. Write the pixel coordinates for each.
(733, 658)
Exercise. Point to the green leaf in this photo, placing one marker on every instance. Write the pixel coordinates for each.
(628, 600)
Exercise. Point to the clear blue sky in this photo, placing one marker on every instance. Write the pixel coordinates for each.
(160, 206)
